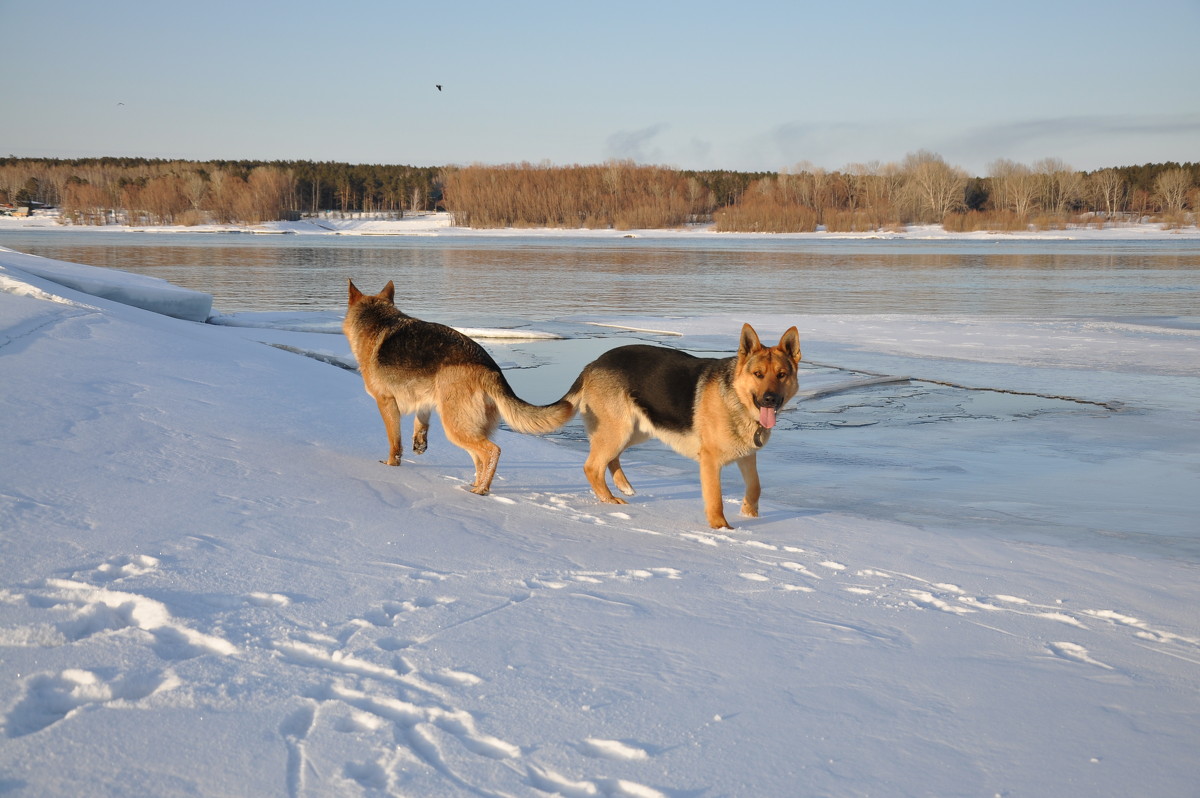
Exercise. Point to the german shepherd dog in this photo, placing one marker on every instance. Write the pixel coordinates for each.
(714, 410)
(414, 366)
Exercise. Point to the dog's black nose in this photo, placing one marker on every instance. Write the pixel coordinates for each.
(771, 399)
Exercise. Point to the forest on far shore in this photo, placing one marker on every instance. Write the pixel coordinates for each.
(923, 188)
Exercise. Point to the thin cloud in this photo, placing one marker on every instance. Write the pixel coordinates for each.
(1079, 132)
(830, 145)
(635, 145)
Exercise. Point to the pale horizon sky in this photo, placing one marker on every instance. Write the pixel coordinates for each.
(749, 86)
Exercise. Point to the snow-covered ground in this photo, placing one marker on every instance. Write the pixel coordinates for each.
(210, 586)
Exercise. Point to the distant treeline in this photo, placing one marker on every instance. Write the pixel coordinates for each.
(619, 194)
(151, 191)
(923, 188)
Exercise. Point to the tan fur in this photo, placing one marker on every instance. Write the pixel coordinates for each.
(724, 425)
(414, 366)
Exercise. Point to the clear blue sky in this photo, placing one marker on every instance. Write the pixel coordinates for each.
(741, 85)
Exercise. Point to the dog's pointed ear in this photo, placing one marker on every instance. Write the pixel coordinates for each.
(389, 292)
(355, 294)
(790, 343)
(749, 341)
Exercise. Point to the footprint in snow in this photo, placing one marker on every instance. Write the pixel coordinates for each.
(926, 600)
(613, 749)
(1074, 652)
(754, 577)
(91, 610)
(453, 678)
(124, 566)
(554, 783)
(51, 697)
(267, 600)
(1143, 629)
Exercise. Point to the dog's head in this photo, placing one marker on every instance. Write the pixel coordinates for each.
(766, 375)
(388, 294)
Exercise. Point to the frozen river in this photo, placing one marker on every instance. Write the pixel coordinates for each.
(1043, 355)
(470, 280)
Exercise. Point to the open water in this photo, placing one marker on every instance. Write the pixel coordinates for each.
(469, 280)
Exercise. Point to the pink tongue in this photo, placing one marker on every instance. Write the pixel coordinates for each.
(766, 416)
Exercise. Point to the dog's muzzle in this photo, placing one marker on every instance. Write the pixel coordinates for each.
(768, 406)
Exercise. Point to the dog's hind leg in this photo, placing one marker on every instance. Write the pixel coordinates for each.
(469, 422)
(619, 478)
(421, 431)
(485, 455)
(609, 437)
(594, 469)
(485, 467)
(390, 412)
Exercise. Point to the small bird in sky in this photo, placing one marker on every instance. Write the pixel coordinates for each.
(439, 86)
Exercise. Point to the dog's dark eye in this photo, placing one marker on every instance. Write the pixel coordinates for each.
(783, 375)
(758, 374)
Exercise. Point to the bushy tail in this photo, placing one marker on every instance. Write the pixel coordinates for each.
(527, 418)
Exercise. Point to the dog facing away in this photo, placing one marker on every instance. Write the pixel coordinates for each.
(714, 410)
(414, 366)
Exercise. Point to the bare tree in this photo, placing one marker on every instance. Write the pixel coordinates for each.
(1108, 190)
(933, 187)
(160, 200)
(859, 179)
(222, 191)
(85, 203)
(1059, 186)
(271, 192)
(196, 189)
(1014, 187)
(1171, 189)
(700, 199)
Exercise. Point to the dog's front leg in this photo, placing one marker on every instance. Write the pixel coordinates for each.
(390, 412)
(748, 465)
(710, 489)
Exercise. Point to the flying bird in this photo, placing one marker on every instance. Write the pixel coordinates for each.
(439, 86)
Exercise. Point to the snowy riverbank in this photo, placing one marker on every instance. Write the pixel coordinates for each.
(441, 224)
(209, 585)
